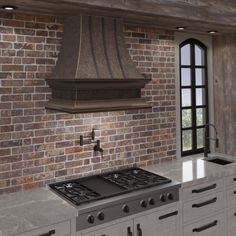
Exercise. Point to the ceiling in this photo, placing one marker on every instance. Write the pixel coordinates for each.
(196, 15)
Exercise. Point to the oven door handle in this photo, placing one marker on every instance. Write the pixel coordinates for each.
(139, 230)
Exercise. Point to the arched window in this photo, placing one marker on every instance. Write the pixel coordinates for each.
(193, 95)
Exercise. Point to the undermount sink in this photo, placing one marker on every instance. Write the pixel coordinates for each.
(218, 160)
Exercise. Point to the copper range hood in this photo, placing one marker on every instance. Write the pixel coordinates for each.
(94, 71)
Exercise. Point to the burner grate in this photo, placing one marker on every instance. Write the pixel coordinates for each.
(75, 192)
(106, 185)
(135, 178)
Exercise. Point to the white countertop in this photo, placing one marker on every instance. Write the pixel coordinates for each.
(28, 210)
(190, 170)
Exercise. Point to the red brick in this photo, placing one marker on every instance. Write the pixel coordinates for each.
(12, 68)
(50, 140)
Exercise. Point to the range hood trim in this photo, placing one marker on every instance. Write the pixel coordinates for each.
(120, 95)
(95, 68)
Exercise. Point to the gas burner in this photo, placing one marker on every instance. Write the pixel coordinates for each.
(76, 192)
(96, 187)
(135, 171)
(69, 185)
(121, 184)
(135, 178)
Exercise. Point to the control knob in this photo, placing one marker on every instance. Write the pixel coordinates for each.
(162, 198)
(125, 208)
(90, 219)
(100, 216)
(143, 204)
(151, 201)
(170, 196)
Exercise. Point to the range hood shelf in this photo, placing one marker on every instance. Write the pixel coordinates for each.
(96, 95)
(94, 71)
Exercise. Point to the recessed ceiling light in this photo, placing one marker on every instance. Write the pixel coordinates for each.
(9, 8)
(181, 28)
(212, 32)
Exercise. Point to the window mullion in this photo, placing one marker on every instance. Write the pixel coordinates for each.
(193, 90)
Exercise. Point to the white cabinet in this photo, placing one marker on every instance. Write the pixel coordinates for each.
(202, 189)
(160, 222)
(204, 209)
(231, 219)
(211, 226)
(203, 206)
(60, 229)
(231, 204)
(120, 229)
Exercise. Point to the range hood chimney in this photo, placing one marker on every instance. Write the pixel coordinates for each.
(94, 71)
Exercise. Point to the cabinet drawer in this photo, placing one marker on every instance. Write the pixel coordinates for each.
(231, 180)
(60, 229)
(211, 226)
(202, 189)
(203, 206)
(231, 220)
(231, 197)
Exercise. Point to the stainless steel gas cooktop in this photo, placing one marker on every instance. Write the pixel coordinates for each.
(109, 196)
(111, 184)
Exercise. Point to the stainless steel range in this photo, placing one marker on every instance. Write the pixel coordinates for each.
(109, 196)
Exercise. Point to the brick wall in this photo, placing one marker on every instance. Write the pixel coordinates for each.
(39, 146)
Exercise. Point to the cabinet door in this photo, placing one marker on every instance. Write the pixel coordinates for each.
(120, 229)
(161, 223)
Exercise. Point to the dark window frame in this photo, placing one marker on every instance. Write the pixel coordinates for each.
(194, 127)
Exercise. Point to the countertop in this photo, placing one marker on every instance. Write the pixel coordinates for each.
(192, 170)
(25, 211)
(28, 210)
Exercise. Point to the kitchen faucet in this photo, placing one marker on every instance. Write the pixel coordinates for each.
(207, 138)
(97, 147)
(91, 139)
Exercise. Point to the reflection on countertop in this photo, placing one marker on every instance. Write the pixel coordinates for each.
(32, 209)
(188, 170)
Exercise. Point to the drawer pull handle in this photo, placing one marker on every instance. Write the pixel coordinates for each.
(204, 203)
(234, 179)
(139, 230)
(50, 233)
(235, 214)
(168, 215)
(129, 232)
(200, 190)
(205, 227)
(234, 192)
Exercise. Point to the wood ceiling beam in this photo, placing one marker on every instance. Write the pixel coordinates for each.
(218, 14)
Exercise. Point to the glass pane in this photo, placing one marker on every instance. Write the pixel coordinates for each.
(185, 77)
(201, 114)
(187, 140)
(200, 138)
(186, 97)
(200, 96)
(199, 56)
(186, 118)
(200, 76)
(185, 55)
